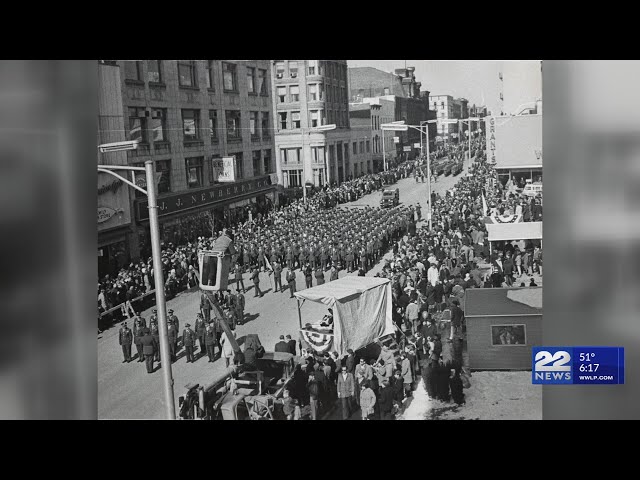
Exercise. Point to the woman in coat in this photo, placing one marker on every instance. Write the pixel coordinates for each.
(367, 401)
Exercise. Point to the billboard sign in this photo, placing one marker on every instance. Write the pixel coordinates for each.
(224, 169)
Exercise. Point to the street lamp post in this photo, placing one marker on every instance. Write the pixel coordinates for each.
(322, 128)
(157, 264)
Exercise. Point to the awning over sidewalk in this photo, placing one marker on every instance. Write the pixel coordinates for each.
(514, 231)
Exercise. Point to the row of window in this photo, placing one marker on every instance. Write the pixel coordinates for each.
(362, 171)
(142, 124)
(195, 170)
(315, 92)
(188, 75)
(362, 145)
(293, 156)
(291, 69)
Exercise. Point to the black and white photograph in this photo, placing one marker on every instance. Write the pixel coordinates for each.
(319, 239)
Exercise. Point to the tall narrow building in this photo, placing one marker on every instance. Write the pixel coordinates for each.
(308, 94)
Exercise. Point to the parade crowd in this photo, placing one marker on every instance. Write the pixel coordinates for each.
(430, 270)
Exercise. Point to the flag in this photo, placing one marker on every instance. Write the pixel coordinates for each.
(485, 210)
(266, 262)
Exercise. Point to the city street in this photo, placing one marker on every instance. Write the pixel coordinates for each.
(126, 391)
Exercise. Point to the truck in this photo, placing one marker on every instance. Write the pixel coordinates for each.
(240, 392)
(390, 198)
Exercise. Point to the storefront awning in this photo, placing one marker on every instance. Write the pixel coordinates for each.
(514, 231)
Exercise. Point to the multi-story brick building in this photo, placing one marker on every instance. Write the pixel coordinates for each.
(366, 118)
(449, 108)
(308, 94)
(186, 114)
(401, 87)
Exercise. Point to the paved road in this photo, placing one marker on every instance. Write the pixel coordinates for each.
(126, 391)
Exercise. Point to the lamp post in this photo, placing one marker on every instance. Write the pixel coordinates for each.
(398, 126)
(150, 192)
(322, 128)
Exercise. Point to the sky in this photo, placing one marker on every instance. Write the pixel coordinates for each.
(475, 80)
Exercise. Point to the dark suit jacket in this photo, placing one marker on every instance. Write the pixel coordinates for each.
(282, 346)
(292, 346)
(149, 344)
(351, 363)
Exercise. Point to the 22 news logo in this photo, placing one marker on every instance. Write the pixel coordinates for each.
(552, 365)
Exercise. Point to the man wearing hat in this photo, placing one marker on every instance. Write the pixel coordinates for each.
(189, 340)
(155, 333)
(149, 347)
(210, 340)
(138, 329)
(172, 335)
(205, 307)
(200, 328)
(126, 339)
(176, 323)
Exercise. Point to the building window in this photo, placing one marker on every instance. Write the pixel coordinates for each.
(194, 171)
(137, 124)
(210, 82)
(253, 125)
(133, 70)
(234, 131)
(355, 148)
(283, 120)
(292, 178)
(290, 156)
(386, 90)
(266, 160)
(262, 82)
(321, 91)
(239, 165)
(313, 93)
(368, 146)
(213, 125)
(251, 80)
(282, 94)
(295, 119)
(293, 69)
(159, 124)
(191, 124)
(294, 91)
(230, 77)
(317, 154)
(279, 69)
(187, 73)
(154, 71)
(312, 67)
(362, 146)
(315, 118)
(256, 163)
(265, 125)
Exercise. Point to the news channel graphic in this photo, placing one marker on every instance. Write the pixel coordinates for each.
(578, 365)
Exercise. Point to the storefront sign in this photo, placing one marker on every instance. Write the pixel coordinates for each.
(224, 169)
(110, 187)
(406, 149)
(188, 200)
(416, 145)
(396, 139)
(105, 213)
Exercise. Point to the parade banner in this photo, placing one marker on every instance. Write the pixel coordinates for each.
(319, 340)
(503, 218)
(224, 169)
